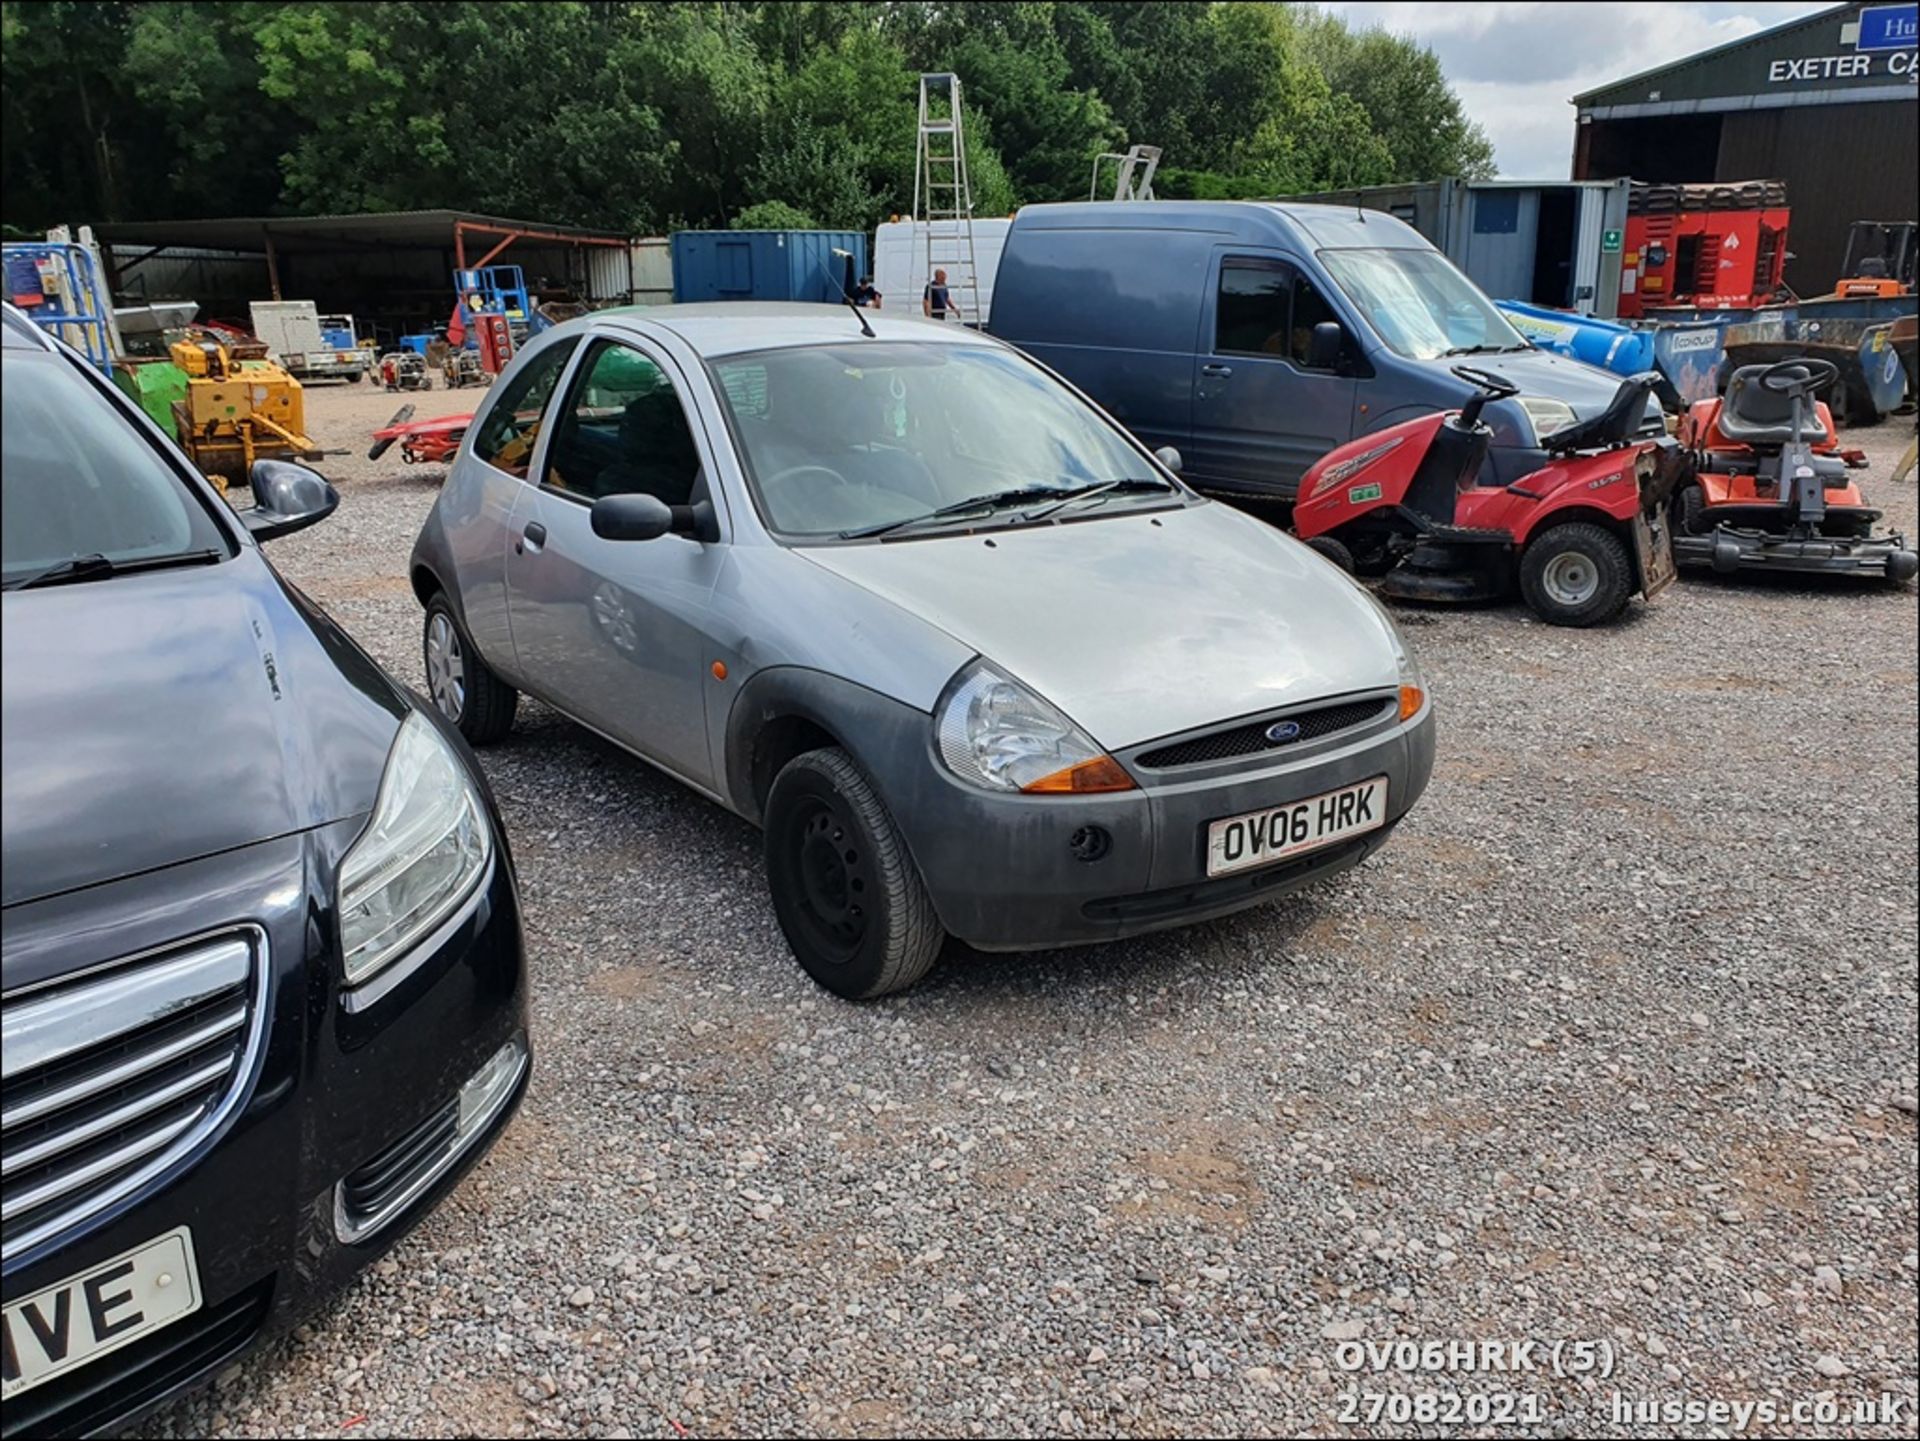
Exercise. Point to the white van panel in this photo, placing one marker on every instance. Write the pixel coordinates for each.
(900, 262)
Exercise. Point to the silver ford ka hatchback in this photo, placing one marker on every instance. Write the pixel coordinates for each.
(975, 661)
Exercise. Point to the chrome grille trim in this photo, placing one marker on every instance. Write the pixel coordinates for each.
(113, 1076)
(126, 1069)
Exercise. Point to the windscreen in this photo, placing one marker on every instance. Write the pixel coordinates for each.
(847, 437)
(1419, 304)
(77, 480)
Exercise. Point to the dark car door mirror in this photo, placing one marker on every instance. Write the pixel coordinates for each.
(633, 516)
(1323, 350)
(286, 498)
(1169, 457)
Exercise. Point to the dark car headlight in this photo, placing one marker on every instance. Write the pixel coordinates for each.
(422, 852)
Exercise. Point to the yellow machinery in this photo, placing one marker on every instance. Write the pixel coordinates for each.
(238, 408)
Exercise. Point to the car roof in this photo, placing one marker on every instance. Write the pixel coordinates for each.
(1321, 226)
(729, 327)
(19, 333)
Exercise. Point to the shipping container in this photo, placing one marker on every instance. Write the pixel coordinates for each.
(652, 261)
(818, 265)
(1552, 243)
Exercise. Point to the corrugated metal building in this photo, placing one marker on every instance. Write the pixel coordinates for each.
(1827, 103)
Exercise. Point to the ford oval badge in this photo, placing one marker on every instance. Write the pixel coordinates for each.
(1280, 732)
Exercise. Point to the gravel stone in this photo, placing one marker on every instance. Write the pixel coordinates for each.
(1487, 1037)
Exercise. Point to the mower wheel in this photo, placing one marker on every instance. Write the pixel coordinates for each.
(1577, 574)
(1690, 510)
(1333, 550)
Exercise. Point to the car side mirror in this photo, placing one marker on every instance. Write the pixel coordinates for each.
(1323, 350)
(1169, 457)
(638, 516)
(631, 517)
(286, 498)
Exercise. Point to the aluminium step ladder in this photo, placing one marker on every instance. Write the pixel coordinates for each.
(942, 200)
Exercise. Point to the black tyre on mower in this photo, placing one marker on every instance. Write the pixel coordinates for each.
(1576, 574)
(1333, 550)
(462, 687)
(845, 890)
(1690, 510)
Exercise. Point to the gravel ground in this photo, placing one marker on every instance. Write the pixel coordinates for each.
(1614, 1042)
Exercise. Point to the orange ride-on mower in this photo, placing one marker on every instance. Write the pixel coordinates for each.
(1770, 488)
(1576, 538)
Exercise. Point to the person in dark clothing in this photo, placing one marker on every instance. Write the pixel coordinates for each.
(864, 293)
(936, 302)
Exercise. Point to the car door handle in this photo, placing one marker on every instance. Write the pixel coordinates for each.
(1216, 370)
(533, 537)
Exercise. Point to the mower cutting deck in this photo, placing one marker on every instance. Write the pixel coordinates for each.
(1769, 486)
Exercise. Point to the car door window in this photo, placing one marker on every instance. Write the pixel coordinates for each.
(622, 431)
(507, 436)
(1310, 308)
(1252, 312)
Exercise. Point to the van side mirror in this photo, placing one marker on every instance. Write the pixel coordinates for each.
(1169, 457)
(1323, 350)
(286, 498)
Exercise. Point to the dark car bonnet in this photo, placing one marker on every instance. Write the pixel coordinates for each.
(153, 718)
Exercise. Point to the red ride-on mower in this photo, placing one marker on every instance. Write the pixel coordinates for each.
(422, 442)
(1578, 536)
(1769, 487)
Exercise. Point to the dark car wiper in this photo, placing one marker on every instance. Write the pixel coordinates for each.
(981, 504)
(1131, 485)
(96, 566)
(1486, 350)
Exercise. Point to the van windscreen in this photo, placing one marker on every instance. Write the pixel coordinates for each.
(1420, 305)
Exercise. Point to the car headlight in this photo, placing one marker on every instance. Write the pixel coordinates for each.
(420, 855)
(997, 734)
(1546, 414)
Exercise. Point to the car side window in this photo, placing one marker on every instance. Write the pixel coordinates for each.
(506, 438)
(1251, 316)
(1310, 308)
(622, 431)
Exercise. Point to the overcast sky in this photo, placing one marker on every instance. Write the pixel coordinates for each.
(1515, 66)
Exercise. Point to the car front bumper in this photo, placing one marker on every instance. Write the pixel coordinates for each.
(1006, 872)
(343, 1081)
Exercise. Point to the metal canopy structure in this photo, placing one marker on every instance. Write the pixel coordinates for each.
(393, 270)
(287, 235)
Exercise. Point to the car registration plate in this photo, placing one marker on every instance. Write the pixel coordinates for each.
(1259, 838)
(99, 1310)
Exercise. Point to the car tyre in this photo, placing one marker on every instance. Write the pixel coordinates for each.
(462, 686)
(1333, 550)
(1577, 574)
(845, 890)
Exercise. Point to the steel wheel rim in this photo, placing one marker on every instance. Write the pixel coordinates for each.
(833, 883)
(1571, 578)
(446, 668)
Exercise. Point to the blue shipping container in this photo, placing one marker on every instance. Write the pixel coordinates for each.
(766, 264)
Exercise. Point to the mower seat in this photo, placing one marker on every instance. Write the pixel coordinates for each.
(1754, 415)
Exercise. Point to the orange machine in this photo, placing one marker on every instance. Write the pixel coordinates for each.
(1710, 247)
(1880, 260)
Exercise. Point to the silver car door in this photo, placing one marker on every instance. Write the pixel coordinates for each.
(487, 482)
(615, 631)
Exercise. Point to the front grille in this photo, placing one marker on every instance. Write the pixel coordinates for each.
(366, 1194)
(106, 1392)
(113, 1078)
(1251, 738)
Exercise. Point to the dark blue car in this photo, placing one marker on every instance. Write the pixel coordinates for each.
(264, 992)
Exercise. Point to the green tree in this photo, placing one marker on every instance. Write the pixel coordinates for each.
(773, 215)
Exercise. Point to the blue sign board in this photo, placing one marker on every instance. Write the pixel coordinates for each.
(1889, 27)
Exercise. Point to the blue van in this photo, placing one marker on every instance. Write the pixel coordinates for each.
(1254, 338)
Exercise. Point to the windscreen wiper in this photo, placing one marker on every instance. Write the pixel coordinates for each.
(1131, 485)
(96, 566)
(976, 504)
